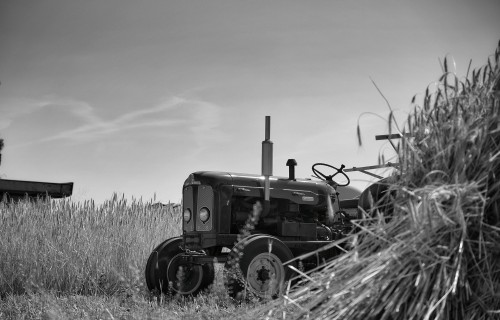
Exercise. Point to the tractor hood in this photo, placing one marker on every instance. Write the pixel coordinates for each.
(300, 190)
(215, 178)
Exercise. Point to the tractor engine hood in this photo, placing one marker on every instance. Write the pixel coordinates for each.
(300, 191)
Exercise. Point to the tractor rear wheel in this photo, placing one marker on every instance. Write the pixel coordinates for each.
(379, 197)
(256, 267)
(167, 272)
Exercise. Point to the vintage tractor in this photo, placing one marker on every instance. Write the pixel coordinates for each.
(255, 225)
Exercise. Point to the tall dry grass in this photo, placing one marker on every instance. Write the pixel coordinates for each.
(438, 255)
(80, 248)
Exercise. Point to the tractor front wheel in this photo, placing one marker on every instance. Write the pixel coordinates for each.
(167, 272)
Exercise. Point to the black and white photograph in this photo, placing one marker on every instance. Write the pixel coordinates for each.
(228, 159)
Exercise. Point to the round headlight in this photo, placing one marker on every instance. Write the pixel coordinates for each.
(204, 214)
(187, 215)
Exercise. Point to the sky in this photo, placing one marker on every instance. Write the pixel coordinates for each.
(130, 97)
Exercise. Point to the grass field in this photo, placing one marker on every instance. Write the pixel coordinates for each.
(64, 260)
(436, 257)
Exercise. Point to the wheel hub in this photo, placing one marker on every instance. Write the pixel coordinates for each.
(263, 274)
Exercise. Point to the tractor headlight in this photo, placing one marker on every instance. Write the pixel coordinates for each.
(204, 214)
(187, 215)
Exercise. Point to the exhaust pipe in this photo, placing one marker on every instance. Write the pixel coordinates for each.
(267, 165)
(267, 151)
(291, 163)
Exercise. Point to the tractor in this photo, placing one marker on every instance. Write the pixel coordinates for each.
(256, 225)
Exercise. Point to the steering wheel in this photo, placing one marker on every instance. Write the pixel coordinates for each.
(327, 178)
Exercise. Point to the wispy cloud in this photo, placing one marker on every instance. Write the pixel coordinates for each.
(94, 127)
(199, 120)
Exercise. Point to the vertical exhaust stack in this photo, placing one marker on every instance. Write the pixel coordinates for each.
(291, 163)
(267, 164)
